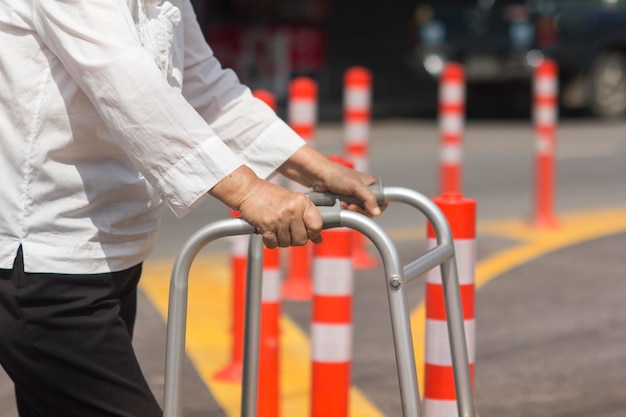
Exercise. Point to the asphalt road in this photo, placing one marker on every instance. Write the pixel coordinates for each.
(550, 339)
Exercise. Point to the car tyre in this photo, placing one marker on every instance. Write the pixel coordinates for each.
(607, 95)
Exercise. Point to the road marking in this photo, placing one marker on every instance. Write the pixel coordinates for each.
(208, 332)
(208, 338)
(573, 229)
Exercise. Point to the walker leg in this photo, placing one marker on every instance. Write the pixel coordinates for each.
(456, 333)
(403, 344)
(252, 328)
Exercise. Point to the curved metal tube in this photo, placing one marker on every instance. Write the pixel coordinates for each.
(426, 206)
(427, 261)
(398, 308)
(452, 295)
(177, 309)
(252, 327)
(400, 315)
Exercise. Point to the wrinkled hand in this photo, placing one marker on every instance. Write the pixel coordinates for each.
(340, 179)
(308, 167)
(284, 218)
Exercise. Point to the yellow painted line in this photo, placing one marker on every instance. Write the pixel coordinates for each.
(573, 229)
(208, 331)
(208, 339)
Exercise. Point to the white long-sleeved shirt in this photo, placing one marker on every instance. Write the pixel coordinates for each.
(108, 110)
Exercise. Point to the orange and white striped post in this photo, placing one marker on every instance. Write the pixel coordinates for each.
(331, 327)
(269, 349)
(357, 120)
(357, 109)
(302, 117)
(238, 260)
(239, 255)
(545, 104)
(302, 108)
(451, 125)
(269, 346)
(439, 390)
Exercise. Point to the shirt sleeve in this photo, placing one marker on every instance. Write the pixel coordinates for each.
(165, 137)
(246, 124)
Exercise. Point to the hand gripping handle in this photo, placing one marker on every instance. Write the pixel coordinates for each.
(329, 199)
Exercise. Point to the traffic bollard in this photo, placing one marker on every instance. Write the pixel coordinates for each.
(331, 327)
(439, 390)
(357, 115)
(451, 125)
(545, 108)
(302, 117)
(238, 254)
(269, 342)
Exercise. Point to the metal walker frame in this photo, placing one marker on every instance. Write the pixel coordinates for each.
(397, 278)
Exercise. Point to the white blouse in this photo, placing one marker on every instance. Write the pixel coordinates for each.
(107, 109)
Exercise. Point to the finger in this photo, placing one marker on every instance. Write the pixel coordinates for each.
(269, 240)
(370, 203)
(357, 208)
(284, 236)
(299, 235)
(318, 239)
(313, 222)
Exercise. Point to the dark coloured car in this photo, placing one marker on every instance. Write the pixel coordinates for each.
(501, 41)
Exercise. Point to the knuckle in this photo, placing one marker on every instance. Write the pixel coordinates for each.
(269, 240)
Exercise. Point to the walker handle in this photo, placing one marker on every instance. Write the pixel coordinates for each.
(328, 199)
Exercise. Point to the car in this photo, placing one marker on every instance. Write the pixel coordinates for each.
(503, 41)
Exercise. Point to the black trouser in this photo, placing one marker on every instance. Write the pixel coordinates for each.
(65, 341)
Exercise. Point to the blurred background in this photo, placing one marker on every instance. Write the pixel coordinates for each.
(551, 327)
(268, 42)
(406, 44)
